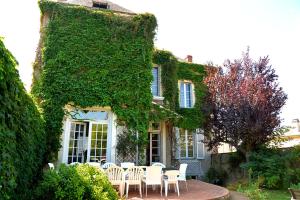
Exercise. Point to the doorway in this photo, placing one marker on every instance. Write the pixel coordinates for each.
(153, 150)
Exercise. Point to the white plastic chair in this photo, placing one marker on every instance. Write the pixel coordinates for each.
(51, 166)
(115, 175)
(75, 163)
(159, 164)
(127, 165)
(182, 174)
(107, 165)
(171, 178)
(134, 177)
(153, 177)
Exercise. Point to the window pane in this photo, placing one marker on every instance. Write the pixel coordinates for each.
(155, 84)
(188, 95)
(182, 143)
(181, 97)
(190, 143)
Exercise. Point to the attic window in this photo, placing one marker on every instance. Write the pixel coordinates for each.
(100, 5)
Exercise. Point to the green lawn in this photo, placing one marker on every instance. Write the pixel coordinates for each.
(278, 194)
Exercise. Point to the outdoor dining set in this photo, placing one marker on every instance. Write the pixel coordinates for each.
(127, 174)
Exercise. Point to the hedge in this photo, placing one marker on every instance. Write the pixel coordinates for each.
(22, 138)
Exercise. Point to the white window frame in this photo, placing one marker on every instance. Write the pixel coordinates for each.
(111, 137)
(101, 122)
(159, 93)
(186, 145)
(192, 95)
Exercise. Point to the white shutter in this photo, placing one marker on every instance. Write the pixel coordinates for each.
(193, 97)
(200, 146)
(177, 143)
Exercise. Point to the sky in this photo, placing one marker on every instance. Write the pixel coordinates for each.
(209, 30)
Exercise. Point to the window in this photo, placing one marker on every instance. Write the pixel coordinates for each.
(186, 95)
(100, 5)
(186, 142)
(155, 87)
(98, 142)
(77, 143)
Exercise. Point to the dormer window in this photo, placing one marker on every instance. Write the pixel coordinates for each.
(100, 5)
(186, 94)
(155, 86)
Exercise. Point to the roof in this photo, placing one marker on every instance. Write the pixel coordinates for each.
(89, 3)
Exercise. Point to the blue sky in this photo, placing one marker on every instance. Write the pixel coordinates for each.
(210, 30)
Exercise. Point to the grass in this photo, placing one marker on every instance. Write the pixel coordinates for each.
(278, 194)
(271, 194)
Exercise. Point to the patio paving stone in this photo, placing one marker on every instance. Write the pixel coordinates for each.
(198, 190)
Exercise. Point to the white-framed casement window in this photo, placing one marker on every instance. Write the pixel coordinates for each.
(189, 144)
(186, 142)
(186, 94)
(88, 137)
(155, 85)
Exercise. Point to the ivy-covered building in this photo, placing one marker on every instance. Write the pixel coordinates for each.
(106, 93)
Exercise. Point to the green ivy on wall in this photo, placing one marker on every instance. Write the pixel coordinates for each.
(93, 57)
(172, 71)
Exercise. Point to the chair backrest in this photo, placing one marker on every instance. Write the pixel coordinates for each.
(182, 170)
(94, 164)
(172, 175)
(127, 164)
(135, 173)
(51, 166)
(159, 164)
(115, 173)
(295, 193)
(108, 164)
(153, 174)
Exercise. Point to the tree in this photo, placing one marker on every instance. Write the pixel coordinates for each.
(245, 102)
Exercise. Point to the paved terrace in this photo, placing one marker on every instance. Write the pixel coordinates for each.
(198, 190)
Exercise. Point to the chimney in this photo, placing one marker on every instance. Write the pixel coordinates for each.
(296, 124)
(189, 58)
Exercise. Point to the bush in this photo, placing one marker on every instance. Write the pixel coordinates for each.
(253, 191)
(75, 182)
(279, 168)
(216, 176)
(22, 138)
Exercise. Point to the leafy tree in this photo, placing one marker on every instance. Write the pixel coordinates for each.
(244, 104)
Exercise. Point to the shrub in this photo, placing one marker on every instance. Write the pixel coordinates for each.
(75, 182)
(216, 176)
(279, 168)
(22, 138)
(253, 191)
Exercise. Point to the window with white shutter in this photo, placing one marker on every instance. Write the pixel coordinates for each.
(200, 146)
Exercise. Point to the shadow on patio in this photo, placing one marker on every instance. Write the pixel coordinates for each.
(198, 190)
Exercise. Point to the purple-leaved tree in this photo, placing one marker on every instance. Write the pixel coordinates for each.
(245, 102)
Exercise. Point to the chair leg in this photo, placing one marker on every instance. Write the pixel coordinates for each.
(166, 188)
(141, 190)
(177, 188)
(161, 189)
(127, 188)
(186, 185)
